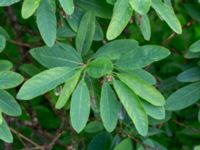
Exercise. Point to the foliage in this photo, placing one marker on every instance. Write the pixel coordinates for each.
(100, 74)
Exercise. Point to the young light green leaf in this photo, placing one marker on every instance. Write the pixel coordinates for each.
(29, 7)
(126, 144)
(8, 105)
(68, 6)
(44, 82)
(109, 107)
(5, 133)
(46, 21)
(5, 65)
(9, 79)
(183, 97)
(86, 31)
(68, 88)
(121, 15)
(143, 89)
(144, 25)
(8, 2)
(133, 107)
(157, 112)
(189, 75)
(99, 67)
(167, 13)
(80, 106)
(140, 6)
(141, 57)
(195, 47)
(2, 43)
(115, 49)
(59, 55)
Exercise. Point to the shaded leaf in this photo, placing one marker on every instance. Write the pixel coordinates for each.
(8, 104)
(183, 97)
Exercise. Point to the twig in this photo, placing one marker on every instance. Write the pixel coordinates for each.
(25, 138)
(171, 36)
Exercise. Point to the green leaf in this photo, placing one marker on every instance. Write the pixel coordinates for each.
(167, 13)
(199, 115)
(8, 2)
(141, 57)
(29, 7)
(157, 112)
(115, 49)
(8, 105)
(9, 79)
(44, 82)
(144, 75)
(86, 31)
(5, 133)
(93, 127)
(1, 118)
(99, 67)
(68, 6)
(46, 21)
(59, 55)
(142, 7)
(75, 19)
(143, 89)
(183, 97)
(99, 7)
(80, 106)
(2, 43)
(68, 88)
(121, 15)
(126, 144)
(189, 75)
(144, 25)
(109, 107)
(133, 107)
(4, 33)
(195, 47)
(5, 65)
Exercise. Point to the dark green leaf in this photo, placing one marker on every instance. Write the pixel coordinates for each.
(189, 75)
(126, 144)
